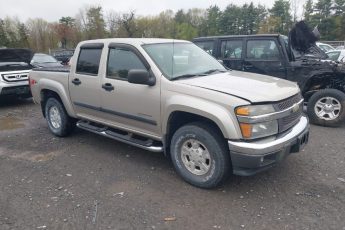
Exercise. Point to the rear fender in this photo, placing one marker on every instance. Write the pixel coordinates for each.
(57, 87)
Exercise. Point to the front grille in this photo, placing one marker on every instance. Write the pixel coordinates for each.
(14, 77)
(286, 123)
(289, 121)
(288, 102)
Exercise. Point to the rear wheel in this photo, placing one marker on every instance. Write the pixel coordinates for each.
(327, 108)
(60, 124)
(200, 155)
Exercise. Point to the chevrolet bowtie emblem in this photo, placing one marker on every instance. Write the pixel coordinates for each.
(295, 108)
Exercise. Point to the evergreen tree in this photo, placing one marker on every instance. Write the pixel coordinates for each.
(281, 9)
(308, 10)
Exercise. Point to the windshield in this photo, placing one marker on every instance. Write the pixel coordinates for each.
(177, 60)
(41, 58)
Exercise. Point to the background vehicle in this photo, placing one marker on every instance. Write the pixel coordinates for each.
(322, 83)
(336, 55)
(340, 48)
(171, 96)
(14, 71)
(324, 47)
(63, 55)
(44, 60)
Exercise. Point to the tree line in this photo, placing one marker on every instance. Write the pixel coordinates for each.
(92, 22)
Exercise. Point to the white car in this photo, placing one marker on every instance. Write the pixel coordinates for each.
(325, 47)
(336, 55)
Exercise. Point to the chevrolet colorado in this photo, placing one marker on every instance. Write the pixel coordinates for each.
(171, 96)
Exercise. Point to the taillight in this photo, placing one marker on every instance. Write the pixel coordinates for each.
(31, 81)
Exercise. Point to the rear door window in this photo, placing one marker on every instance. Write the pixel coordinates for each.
(88, 61)
(262, 50)
(231, 49)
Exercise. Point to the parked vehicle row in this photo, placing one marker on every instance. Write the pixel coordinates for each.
(325, 47)
(15, 65)
(43, 60)
(170, 96)
(337, 55)
(14, 72)
(322, 82)
(63, 56)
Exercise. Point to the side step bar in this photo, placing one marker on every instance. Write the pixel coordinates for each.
(119, 135)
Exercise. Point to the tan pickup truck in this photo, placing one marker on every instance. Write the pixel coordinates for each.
(171, 96)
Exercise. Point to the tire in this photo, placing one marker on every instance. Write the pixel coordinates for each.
(327, 108)
(60, 124)
(200, 139)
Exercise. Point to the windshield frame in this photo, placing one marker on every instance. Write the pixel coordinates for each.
(171, 78)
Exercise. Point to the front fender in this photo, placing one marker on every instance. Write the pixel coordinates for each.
(220, 115)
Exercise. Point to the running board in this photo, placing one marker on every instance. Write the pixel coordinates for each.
(123, 136)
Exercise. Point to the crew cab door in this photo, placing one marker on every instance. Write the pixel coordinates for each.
(85, 82)
(231, 53)
(264, 56)
(130, 106)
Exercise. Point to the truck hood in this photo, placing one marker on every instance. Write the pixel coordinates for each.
(16, 55)
(251, 87)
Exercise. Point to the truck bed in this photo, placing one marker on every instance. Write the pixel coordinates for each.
(64, 69)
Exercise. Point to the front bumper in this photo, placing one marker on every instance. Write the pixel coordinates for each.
(249, 158)
(18, 88)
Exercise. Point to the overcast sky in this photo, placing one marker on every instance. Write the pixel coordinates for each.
(52, 10)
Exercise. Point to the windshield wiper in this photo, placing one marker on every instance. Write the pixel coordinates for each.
(214, 71)
(208, 72)
(188, 76)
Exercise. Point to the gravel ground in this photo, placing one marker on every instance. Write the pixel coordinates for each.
(87, 181)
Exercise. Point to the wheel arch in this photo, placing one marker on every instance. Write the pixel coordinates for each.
(321, 81)
(49, 88)
(180, 117)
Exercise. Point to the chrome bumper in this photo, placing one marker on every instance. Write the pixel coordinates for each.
(262, 148)
(248, 158)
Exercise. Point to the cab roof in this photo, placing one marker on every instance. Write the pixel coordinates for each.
(133, 41)
(235, 36)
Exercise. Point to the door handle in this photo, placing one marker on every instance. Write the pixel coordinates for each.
(108, 87)
(247, 66)
(76, 81)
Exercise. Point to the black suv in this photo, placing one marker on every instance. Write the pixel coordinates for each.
(322, 82)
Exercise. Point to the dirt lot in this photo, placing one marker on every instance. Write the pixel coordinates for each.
(90, 182)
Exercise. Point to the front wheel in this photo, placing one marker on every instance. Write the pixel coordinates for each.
(200, 155)
(60, 124)
(327, 108)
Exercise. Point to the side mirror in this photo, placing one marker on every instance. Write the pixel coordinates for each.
(141, 77)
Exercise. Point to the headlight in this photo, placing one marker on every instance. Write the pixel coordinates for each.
(253, 130)
(254, 110)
